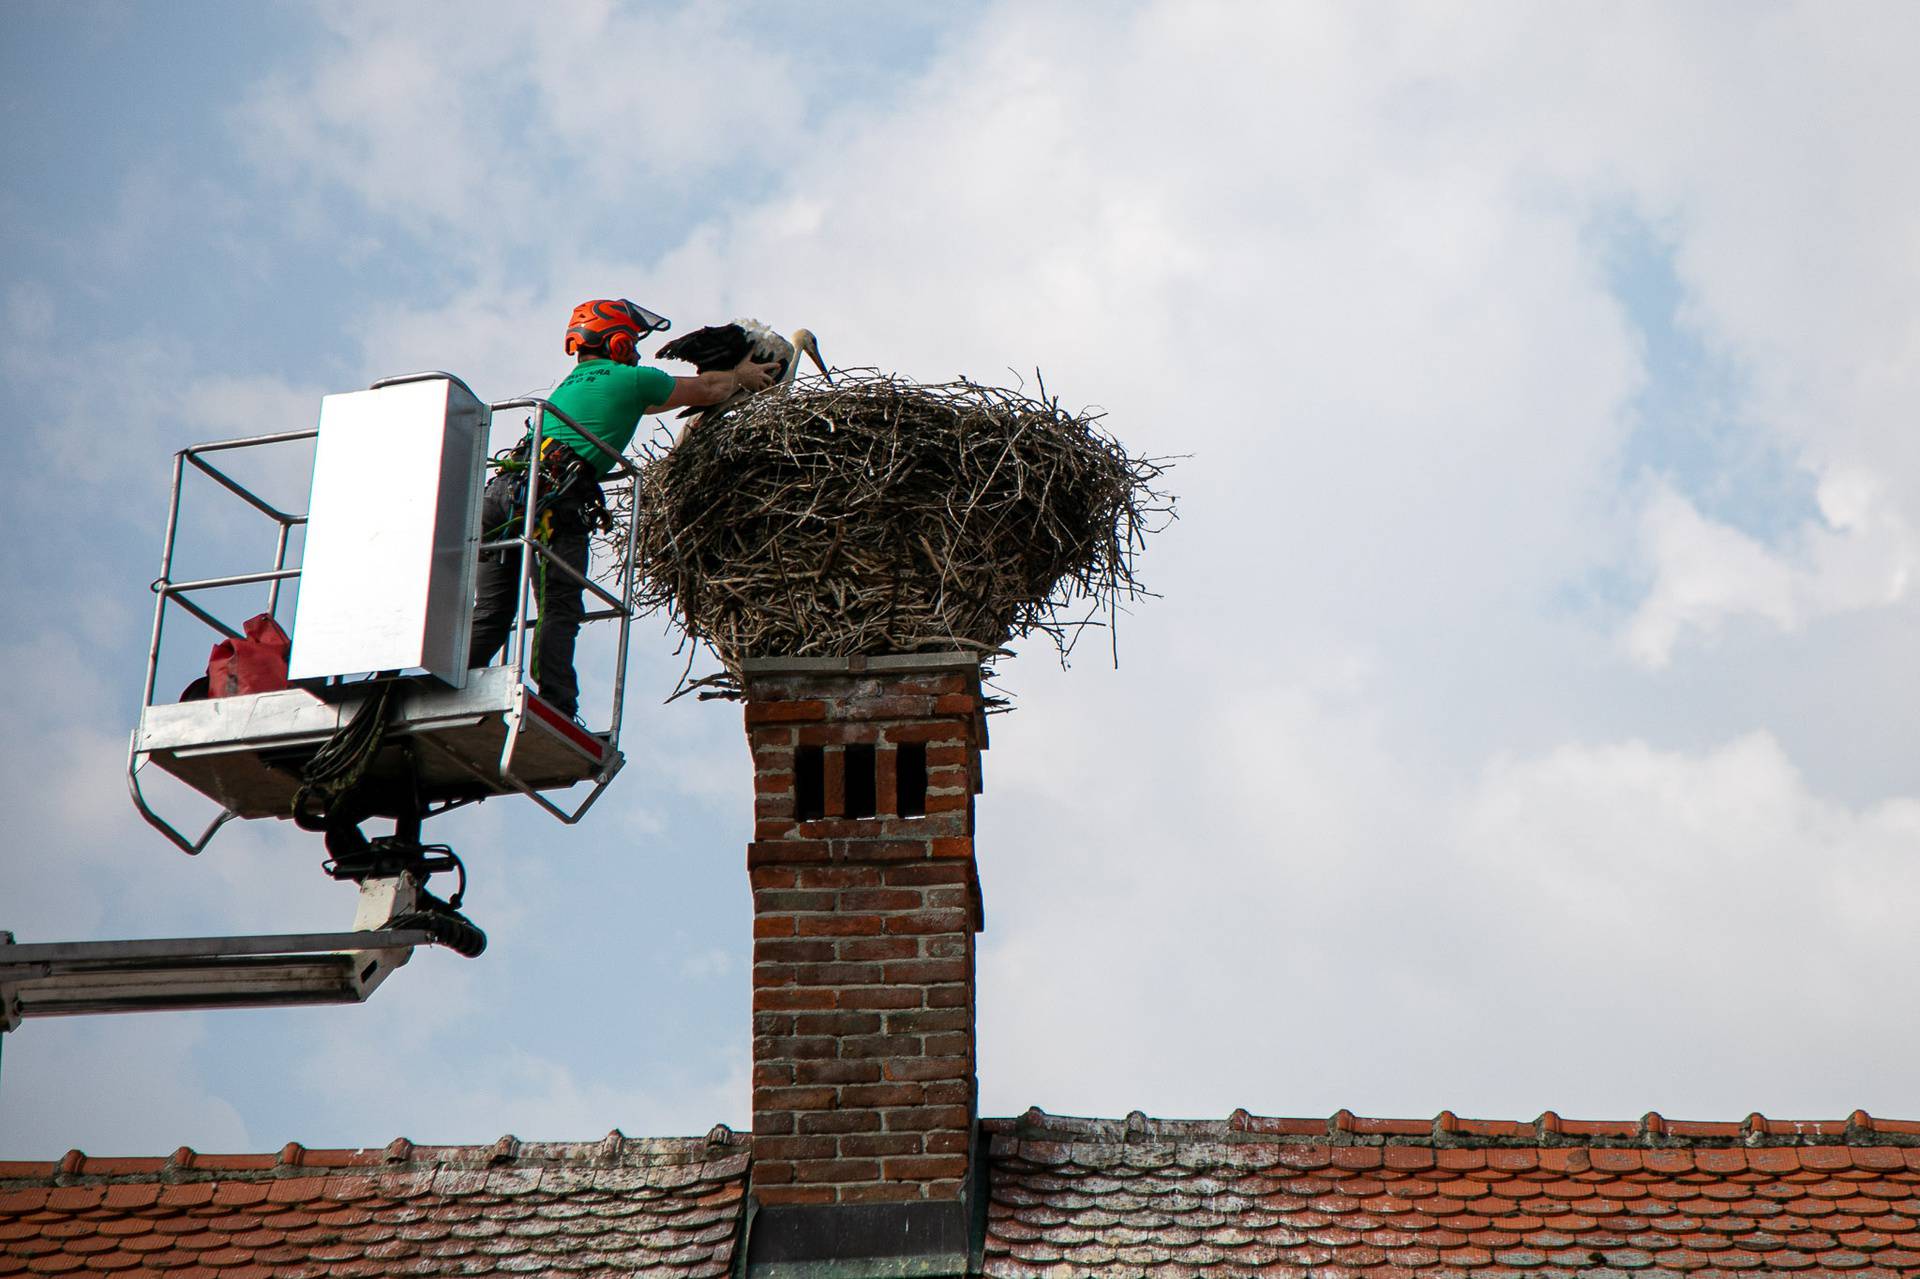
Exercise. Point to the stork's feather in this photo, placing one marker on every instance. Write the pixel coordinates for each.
(717, 347)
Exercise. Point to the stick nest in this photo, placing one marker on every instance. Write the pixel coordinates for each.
(876, 515)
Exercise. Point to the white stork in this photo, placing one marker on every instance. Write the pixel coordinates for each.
(726, 347)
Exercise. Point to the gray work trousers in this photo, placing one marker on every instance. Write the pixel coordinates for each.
(556, 597)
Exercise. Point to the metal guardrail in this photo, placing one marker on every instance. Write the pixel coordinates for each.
(170, 593)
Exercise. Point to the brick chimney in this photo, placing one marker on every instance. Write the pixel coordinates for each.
(866, 899)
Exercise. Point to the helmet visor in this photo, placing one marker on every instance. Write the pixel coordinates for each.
(649, 321)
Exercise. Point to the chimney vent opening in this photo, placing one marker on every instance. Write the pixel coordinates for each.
(809, 783)
(863, 796)
(910, 772)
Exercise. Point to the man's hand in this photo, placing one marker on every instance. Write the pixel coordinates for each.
(754, 377)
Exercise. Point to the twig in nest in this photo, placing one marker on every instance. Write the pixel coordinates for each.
(935, 517)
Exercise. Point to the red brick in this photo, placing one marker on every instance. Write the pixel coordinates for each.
(791, 999)
(776, 950)
(922, 1167)
(842, 876)
(837, 974)
(785, 712)
(815, 1098)
(952, 995)
(794, 900)
(933, 684)
(834, 1071)
(794, 1148)
(880, 1046)
(859, 948)
(948, 731)
(775, 813)
(837, 734)
(773, 782)
(908, 899)
(839, 1121)
(922, 1118)
(773, 1123)
(773, 926)
(792, 1194)
(925, 1068)
(881, 1192)
(872, 1145)
(893, 1094)
(838, 1023)
(840, 925)
(778, 838)
(928, 971)
(928, 1021)
(956, 802)
(837, 1170)
(929, 921)
(886, 783)
(771, 1171)
(896, 703)
(871, 839)
(835, 796)
(956, 704)
(797, 1047)
(939, 873)
(885, 997)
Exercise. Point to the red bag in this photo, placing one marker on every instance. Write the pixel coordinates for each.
(255, 664)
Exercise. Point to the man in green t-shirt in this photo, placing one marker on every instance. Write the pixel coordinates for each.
(608, 392)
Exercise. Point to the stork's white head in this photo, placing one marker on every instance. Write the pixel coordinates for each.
(803, 340)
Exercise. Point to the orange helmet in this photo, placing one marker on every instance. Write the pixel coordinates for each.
(612, 327)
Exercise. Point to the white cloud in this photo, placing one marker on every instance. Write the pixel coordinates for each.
(1706, 573)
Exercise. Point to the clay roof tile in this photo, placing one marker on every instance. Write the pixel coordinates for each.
(1507, 1198)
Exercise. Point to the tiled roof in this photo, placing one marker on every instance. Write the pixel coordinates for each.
(1378, 1198)
(619, 1206)
(1339, 1198)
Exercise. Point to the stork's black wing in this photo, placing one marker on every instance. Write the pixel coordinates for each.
(718, 346)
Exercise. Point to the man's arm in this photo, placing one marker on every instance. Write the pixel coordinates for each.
(703, 389)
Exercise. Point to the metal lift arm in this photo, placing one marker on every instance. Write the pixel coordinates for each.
(55, 979)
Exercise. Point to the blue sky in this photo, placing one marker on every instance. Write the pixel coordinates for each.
(1533, 655)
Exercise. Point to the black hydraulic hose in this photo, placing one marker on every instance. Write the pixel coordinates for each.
(341, 761)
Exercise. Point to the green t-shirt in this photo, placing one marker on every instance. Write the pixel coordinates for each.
(608, 399)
